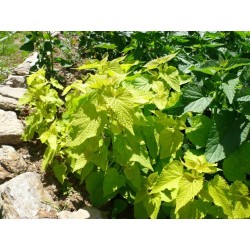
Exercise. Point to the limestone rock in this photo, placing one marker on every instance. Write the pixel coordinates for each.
(7, 103)
(24, 68)
(5, 175)
(55, 33)
(15, 81)
(11, 128)
(24, 197)
(10, 92)
(11, 160)
(85, 213)
(9, 97)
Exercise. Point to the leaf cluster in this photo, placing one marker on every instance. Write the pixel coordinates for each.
(168, 137)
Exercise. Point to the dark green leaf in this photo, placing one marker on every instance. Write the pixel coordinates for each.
(112, 181)
(199, 105)
(238, 62)
(229, 89)
(237, 165)
(29, 46)
(227, 134)
(192, 92)
(60, 172)
(201, 126)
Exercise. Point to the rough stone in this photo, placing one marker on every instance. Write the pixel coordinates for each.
(11, 160)
(5, 175)
(55, 33)
(9, 97)
(11, 128)
(10, 92)
(7, 103)
(85, 213)
(24, 197)
(15, 81)
(24, 67)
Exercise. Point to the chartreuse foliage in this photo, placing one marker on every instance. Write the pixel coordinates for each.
(169, 144)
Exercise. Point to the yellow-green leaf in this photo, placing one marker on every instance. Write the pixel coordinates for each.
(199, 163)
(189, 187)
(156, 62)
(169, 177)
(219, 190)
(121, 102)
(170, 141)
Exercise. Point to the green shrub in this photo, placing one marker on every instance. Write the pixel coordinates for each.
(149, 137)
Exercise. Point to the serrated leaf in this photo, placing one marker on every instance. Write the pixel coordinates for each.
(141, 96)
(239, 190)
(133, 174)
(227, 134)
(86, 124)
(192, 92)
(80, 162)
(170, 141)
(167, 196)
(171, 76)
(236, 62)
(169, 177)
(139, 150)
(142, 159)
(242, 210)
(121, 103)
(173, 99)
(214, 150)
(152, 141)
(199, 163)
(237, 165)
(189, 187)
(245, 76)
(160, 98)
(199, 131)
(126, 66)
(152, 204)
(199, 105)
(229, 89)
(195, 209)
(115, 67)
(55, 83)
(122, 151)
(142, 83)
(209, 67)
(218, 189)
(240, 196)
(244, 95)
(60, 172)
(156, 62)
(112, 181)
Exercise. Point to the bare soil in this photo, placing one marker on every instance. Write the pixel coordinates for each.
(71, 197)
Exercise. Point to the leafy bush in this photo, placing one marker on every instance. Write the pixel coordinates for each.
(169, 137)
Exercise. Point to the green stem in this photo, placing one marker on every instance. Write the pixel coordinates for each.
(51, 54)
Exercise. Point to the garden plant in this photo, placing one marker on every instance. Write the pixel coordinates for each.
(156, 123)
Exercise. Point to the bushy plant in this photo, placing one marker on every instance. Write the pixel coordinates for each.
(164, 142)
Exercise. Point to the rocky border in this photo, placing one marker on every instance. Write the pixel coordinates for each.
(23, 194)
